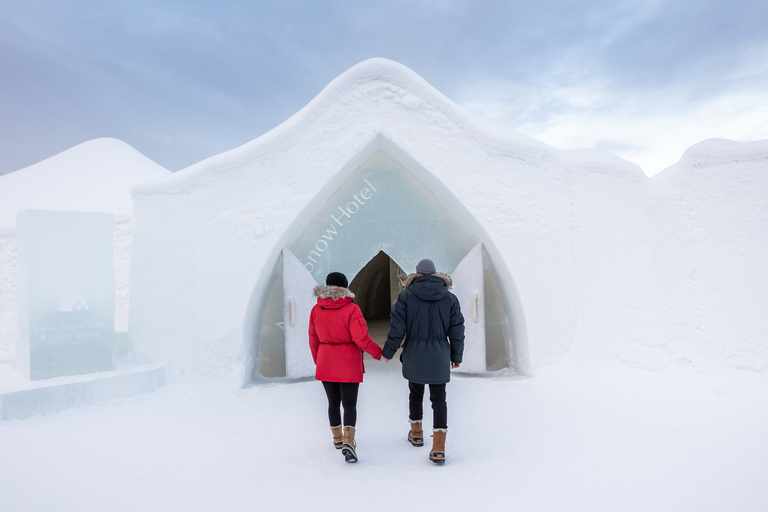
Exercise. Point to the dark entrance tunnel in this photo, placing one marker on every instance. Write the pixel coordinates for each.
(376, 286)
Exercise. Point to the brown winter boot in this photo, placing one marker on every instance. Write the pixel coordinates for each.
(416, 435)
(337, 437)
(437, 455)
(348, 445)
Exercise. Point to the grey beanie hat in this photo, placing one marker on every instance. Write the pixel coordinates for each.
(426, 267)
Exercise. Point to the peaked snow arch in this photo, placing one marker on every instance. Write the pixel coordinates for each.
(331, 215)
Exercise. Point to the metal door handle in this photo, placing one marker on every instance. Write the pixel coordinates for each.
(292, 305)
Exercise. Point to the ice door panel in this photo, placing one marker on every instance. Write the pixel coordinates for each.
(297, 292)
(468, 286)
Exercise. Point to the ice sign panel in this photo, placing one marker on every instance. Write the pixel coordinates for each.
(66, 293)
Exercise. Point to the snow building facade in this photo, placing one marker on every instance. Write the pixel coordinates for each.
(549, 250)
(379, 171)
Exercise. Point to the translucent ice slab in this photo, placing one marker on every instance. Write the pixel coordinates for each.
(381, 206)
(66, 293)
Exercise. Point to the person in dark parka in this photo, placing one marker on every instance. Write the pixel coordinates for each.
(428, 316)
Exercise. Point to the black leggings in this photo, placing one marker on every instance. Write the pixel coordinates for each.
(342, 393)
(436, 396)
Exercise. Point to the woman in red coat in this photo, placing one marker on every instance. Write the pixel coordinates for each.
(338, 335)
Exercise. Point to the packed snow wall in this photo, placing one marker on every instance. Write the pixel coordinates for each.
(709, 215)
(9, 302)
(670, 269)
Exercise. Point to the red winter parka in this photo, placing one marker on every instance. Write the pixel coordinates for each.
(338, 335)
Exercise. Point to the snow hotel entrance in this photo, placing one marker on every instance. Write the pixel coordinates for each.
(379, 222)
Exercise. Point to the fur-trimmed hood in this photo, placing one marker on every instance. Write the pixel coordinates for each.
(411, 277)
(323, 291)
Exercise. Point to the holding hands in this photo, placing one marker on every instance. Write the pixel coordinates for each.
(453, 365)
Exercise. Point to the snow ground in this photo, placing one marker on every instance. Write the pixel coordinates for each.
(576, 436)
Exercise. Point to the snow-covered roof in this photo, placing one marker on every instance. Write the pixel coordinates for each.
(94, 176)
(713, 152)
(382, 98)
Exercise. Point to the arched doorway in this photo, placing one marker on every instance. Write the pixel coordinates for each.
(376, 287)
(380, 214)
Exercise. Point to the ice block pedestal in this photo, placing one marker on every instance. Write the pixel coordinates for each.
(21, 398)
(66, 290)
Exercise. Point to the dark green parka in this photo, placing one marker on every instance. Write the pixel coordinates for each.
(429, 317)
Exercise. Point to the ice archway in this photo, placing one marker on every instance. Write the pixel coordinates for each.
(381, 205)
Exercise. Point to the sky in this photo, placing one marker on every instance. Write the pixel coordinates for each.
(184, 80)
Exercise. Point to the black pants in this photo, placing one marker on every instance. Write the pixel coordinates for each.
(342, 393)
(436, 396)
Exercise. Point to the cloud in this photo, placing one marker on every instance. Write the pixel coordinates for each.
(651, 129)
(181, 81)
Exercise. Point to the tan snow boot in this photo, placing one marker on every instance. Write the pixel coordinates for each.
(416, 435)
(348, 445)
(337, 437)
(437, 455)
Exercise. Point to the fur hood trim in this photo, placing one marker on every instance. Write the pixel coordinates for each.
(324, 291)
(411, 277)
